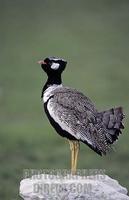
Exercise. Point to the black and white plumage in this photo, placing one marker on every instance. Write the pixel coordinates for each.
(73, 115)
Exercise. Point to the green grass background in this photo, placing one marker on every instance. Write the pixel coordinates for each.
(94, 37)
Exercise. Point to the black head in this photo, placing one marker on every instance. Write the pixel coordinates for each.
(53, 65)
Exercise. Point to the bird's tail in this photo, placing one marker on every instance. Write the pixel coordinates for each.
(112, 120)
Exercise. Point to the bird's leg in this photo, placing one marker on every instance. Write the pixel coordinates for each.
(72, 154)
(76, 152)
(74, 147)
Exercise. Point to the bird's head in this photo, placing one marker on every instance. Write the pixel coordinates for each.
(53, 65)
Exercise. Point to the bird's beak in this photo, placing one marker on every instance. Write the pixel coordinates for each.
(41, 62)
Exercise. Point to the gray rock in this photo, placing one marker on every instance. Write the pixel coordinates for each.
(53, 187)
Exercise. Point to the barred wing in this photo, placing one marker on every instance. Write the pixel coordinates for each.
(76, 114)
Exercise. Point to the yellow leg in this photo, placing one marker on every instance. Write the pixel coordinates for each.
(74, 147)
(76, 150)
(72, 154)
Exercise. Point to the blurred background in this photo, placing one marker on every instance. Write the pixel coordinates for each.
(93, 36)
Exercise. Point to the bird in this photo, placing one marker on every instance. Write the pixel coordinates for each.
(74, 116)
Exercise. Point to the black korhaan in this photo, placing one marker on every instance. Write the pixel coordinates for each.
(74, 116)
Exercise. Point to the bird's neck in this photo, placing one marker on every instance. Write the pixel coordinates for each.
(52, 80)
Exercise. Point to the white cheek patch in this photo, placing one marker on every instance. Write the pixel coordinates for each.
(55, 66)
